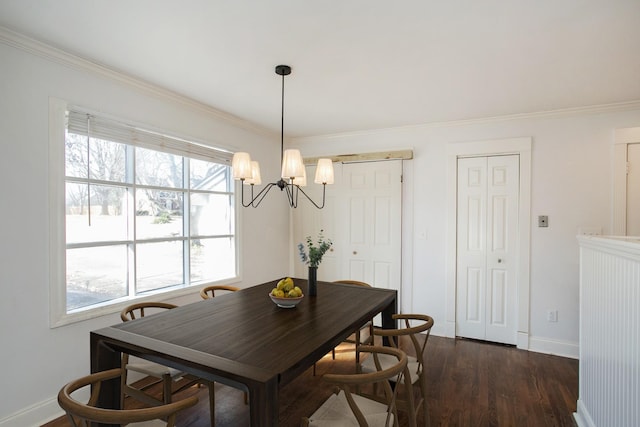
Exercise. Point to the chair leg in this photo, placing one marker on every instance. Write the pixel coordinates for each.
(423, 390)
(212, 402)
(166, 388)
(123, 383)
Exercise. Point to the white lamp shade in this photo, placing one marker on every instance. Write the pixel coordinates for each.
(255, 174)
(292, 166)
(301, 181)
(241, 164)
(324, 172)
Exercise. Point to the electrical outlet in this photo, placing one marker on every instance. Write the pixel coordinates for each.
(552, 315)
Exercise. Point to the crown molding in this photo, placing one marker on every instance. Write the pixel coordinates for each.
(564, 112)
(51, 53)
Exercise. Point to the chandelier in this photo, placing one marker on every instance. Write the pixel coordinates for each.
(293, 176)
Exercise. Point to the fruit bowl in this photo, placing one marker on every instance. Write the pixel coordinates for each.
(286, 302)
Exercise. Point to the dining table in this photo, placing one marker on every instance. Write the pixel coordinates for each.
(243, 339)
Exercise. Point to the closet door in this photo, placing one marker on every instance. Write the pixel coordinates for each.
(486, 306)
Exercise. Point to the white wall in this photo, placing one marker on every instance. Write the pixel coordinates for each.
(37, 360)
(571, 182)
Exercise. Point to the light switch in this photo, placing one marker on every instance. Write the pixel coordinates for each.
(543, 221)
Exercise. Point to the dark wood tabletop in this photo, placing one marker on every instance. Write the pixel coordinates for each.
(243, 339)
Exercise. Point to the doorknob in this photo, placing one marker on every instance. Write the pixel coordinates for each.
(355, 252)
(499, 260)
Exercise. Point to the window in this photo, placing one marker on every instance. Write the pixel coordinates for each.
(143, 214)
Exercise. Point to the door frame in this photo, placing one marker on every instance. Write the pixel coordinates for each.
(519, 146)
(622, 138)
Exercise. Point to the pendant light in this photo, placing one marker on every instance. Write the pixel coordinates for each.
(293, 174)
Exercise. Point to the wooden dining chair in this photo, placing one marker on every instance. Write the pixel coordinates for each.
(347, 407)
(169, 377)
(415, 376)
(210, 291)
(82, 414)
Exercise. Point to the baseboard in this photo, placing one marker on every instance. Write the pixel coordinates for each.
(522, 341)
(582, 417)
(34, 415)
(555, 347)
(446, 329)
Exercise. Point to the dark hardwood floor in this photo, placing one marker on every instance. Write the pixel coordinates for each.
(471, 383)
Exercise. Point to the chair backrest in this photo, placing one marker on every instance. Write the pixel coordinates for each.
(210, 291)
(139, 309)
(381, 376)
(352, 282)
(82, 414)
(422, 325)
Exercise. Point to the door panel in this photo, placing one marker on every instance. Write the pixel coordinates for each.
(382, 272)
(474, 306)
(356, 268)
(498, 300)
(472, 196)
(356, 216)
(382, 221)
(503, 190)
(487, 237)
(475, 227)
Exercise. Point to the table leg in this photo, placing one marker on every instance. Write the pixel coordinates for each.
(104, 358)
(263, 404)
(387, 318)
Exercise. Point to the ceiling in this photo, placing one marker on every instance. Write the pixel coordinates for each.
(357, 64)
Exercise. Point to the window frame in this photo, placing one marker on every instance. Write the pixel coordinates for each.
(57, 236)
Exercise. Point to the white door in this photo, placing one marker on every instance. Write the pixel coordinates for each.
(487, 242)
(362, 216)
(370, 224)
(633, 190)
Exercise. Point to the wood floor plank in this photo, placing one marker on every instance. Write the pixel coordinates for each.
(470, 383)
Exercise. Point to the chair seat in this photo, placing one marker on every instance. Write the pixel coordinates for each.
(152, 423)
(153, 369)
(387, 360)
(335, 412)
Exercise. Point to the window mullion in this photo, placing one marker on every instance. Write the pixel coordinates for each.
(186, 221)
(130, 179)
